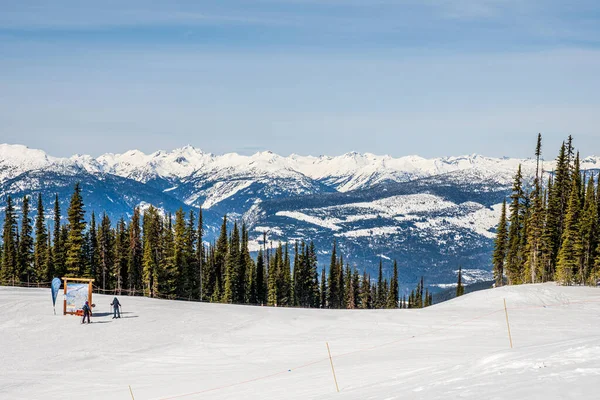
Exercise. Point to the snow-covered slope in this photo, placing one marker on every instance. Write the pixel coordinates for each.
(428, 232)
(179, 350)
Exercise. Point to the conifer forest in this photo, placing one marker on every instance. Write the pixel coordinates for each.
(164, 256)
(550, 231)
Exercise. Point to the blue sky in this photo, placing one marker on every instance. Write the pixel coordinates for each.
(394, 77)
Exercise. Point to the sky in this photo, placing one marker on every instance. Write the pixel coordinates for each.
(397, 77)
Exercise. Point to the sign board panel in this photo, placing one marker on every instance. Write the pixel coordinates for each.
(77, 295)
(77, 292)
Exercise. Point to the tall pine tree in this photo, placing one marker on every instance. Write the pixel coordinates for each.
(571, 250)
(9, 270)
(393, 296)
(500, 248)
(460, 289)
(25, 250)
(40, 256)
(74, 246)
(514, 261)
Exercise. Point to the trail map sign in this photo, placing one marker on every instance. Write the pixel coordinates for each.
(77, 292)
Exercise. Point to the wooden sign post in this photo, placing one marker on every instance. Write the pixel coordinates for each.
(80, 281)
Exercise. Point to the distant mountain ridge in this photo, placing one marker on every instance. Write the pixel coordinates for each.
(429, 214)
(350, 171)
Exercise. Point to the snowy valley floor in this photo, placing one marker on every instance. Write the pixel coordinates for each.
(181, 350)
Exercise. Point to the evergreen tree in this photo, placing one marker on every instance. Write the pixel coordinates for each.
(50, 270)
(177, 270)
(323, 301)
(562, 191)
(135, 254)
(191, 270)
(313, 264)
(232, 272)
(356, 288)
(64, 237)
(535, 226)
(40, 256)
(74, 247)
(365, 291)
(105, 251)
(380, 302)
(59, 245)
(303, 276)
(273, 281)
(341, 283)
(94, 254)
(261, 285)
(419, 294)
(589, 232)
(393, 296)
(386, 290)
(249, 288)
(460, 289)
(169, 271)
(25, 267)
(216, 275)
(120, 257)
(373, 295)
(215, 290)
(279, 283)
(333, 297)
(549, 232)
(571, 250)
(200, 256)
(514, 262)
(594, 278)
(285, 284)
(500, 247)
(152, 251)
(349, 292)
(9, 245)
(85, 256)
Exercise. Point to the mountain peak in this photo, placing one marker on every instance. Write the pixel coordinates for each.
(349, 171)
(22, 157)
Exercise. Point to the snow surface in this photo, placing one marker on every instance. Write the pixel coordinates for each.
(182, 350)
(415, 207)
(481, 220)
(329, 223)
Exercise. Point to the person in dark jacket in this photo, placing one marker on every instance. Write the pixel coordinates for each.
(87, 312)
(116, 312)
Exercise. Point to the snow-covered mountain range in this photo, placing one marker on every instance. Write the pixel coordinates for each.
(429, 214)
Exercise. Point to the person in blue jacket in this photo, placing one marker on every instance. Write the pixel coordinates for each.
(116, 312)
(87, 311)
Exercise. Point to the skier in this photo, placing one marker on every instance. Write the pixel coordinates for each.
(116, 312)
(87, 311)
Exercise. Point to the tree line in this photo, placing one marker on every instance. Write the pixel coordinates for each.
(551, 231)
(165, 256)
